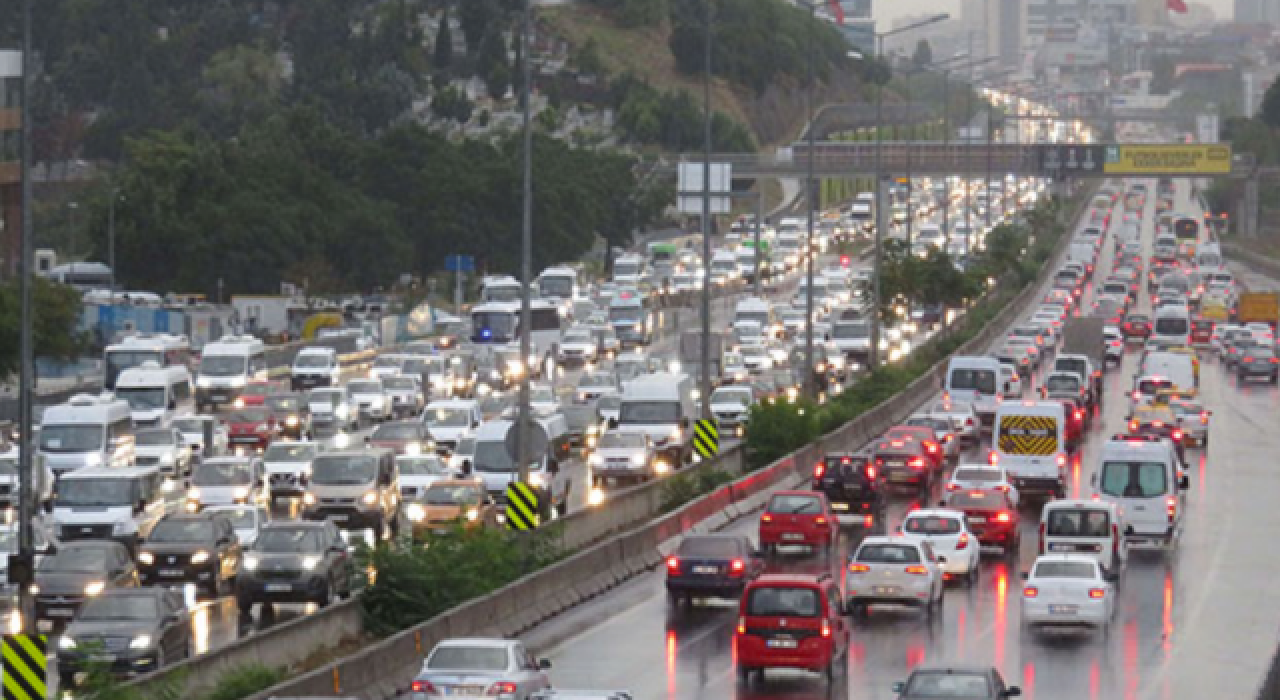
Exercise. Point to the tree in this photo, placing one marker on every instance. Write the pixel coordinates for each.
(443, 58)
(1270, 111)
(588, 59)
(923, 55)
(478, 19)
(451, 103)
(493, 65)
(55, 312)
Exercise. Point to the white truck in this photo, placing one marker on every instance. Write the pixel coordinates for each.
(661, 405)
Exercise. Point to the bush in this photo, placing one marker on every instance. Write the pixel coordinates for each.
(416, 582)
(778, 428)
(679, 489)
(245, 681)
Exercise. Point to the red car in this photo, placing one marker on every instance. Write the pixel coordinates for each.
(926, 436)
(256, 394)
(251, 429)
(1136, 326)
(990, 515)
(791, 621)
(798, 518)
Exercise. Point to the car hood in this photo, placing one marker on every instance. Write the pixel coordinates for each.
(112, 628)
(66, 582)
(619, 452)
(164, 548)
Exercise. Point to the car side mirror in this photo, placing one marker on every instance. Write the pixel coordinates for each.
(613, 422)
(173, 405)
(1025, 575)
(544, 664)
(1093, 479)
(942, 559)
(140, 506)
(1008, 386)
(1111, 577)
(337, 549)
(1184, 483)
(899, 687)
(1012, 691)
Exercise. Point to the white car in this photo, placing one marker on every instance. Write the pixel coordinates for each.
(492, 667)
(945, 429)
(756, 358)
(542, 398)
(417, 472)
(963, 415)
(193, 431)
(288, 466)
(1067, 590)
(247, 521)
(1012, 382)
(593, 385)
(894, 570)
(731, 406)
(625, 457)
(166, 447)
(369, 398)
(578, 346)
(946, 532)
(982, 476)
(386, 366)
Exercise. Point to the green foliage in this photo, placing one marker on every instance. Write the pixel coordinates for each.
(634, 13)
(672, 120)
(932, 279)
(680, 488)
(493, 65)
(588, 58)
(415, 582)
(452, 103)
(778, 428)
(1269, 114)
(442, 58)
(756, 43)
(55, 310)
(244, 682)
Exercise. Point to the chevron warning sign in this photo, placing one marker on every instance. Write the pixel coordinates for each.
(1028, 435)
(706, 438)
(24, 667)
(522, 506)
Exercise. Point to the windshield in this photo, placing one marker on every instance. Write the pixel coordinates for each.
(289, 540)
(443, 493)
(927, 684)
(240, 518)
(326, 397)
(421, 466)
(449, 417)
(222, 365)
(980, 474)
(396, 431)
(189, 425)
(626, 313)
(120, 360)
(784, 602)
(181, 531)
(597, 380)
(91, 559)
(621, 440)
(311, 361)
(584, 337)
(222, 474)
(888, 554)
(760, 317)
(71, 438)
(290, 452)
(101, 492)
(561, 287)
(491, 456)
(982, 381)
(252, 415)
(1172, 326)
(338, 470)
(153, 438)
(1134, 479)
(931, 525)
(1078, 522)
(365, 387)
(795, 504)
(459, 658)
(502, 292)
(386, 361)
(1062, 383)
(465, 446)
(731, 396)
(976, 500)
(494, 326)
(123, 607)
(626, 269)
(716, 547)
(609, 402)
(650, 412)
(852, 330)
(1064, 569)
(1149, 387)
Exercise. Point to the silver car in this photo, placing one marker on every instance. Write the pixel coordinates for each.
(480, 667)
(894, 571)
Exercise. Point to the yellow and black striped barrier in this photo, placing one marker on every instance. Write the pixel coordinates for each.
(24, 667)
(522, 506)
(706, 438)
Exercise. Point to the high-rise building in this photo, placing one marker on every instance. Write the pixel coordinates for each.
(998, 26)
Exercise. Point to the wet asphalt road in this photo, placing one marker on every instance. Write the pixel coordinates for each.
(1197, 622)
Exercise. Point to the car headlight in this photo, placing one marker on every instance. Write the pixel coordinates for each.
(370, 498)
(415, 512)
(241, 493)
(638, 460)
(142, 641)
(237, 382)
(676, 433)
(595, 460)
(146, 558)
(536, 480)
(309, 563)
(291, 421)
(342, 411)
(661, 467)
(413, 448)
(66, 643)
(238, 403)
(168, 457)
(200, 557)
(472, 514)
(204, 382)
(250, 563)
(94, 588)
(93, 459)
(309, 499)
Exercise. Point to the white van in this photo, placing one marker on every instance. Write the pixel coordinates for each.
(116, 503)
(226, 366)
(1143, 477)
(1029, 440)
(87, 431)
(758, 310)
(1177, 367)
(661, 406)
(1209, 258)
(156, 394)
(132, 351)
(315, 366)
(724, 268)
(492, 464)
(1172, 324)
(501, 288)
(976, 380)
(1092, 528)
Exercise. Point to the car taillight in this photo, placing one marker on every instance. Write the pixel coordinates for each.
(1079, 415)
(868, 520)
(819, 469)
(931, 447)
(1204, 416)
(820, 520)
(1062, 460)
(1275, 360)
(1097, 593)
(916, 463)
(1002, 488)
(1030, 592)
(826, 628)
(1171, 506)
(1137, 395)
(963, 542)
(766, 518)
(673, 565)
(968, 422)
(1041, 550)
(953, 486)
(917, 570)
(896, 443)
(737, 566)
(871, 472)
(1248, 359)
(742, 625)
(502, 688)
(859, 568)
(1133, 426)
(1003, 517)
(423, 687)
(1177, 435)
(992, 457)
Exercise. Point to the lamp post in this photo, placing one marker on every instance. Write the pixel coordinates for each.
(72, 208)
(26, 362)
(525, 416)
(874, 355)
(111, 234)
(704, 383)
(911, 214)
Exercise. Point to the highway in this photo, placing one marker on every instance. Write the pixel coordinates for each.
(1199, 622)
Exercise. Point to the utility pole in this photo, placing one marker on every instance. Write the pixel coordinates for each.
(111, 235)
(873, 354)
(704, 349)
(810, 386)
(759, 225)
(526, 247)
(26, 390)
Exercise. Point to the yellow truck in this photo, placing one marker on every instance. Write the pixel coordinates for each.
(1255, 307)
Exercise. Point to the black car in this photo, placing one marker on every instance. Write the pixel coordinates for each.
(717, 566)
(1258, 361)
(130, 631)
(290, 412)
(196, 548)
(970, 683)
(295, 562)
(80, 570)
(853, 487)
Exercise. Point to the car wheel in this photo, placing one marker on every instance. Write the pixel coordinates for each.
(326, 595)
(744, 675)
(244, 605)
(974, 573)
(66, 680)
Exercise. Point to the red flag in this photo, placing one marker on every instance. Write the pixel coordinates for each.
(1177, 6)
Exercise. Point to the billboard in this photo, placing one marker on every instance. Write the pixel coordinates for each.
(1168, 159)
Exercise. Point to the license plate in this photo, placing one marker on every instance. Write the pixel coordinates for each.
(102, 658)
(218, 399)
(884, 590)
(781, 643)
(895, 463)
(171, 573)
(900, 477)
(339, 517)
(279, 587)
(792, 536)
(977, 519)
(839, 506)
(464, 691)
(60, 612)
(1063, 609)
(705, 570)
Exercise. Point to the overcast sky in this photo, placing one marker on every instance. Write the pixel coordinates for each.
(888, 10)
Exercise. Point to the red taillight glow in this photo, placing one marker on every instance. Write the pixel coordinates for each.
(896, 443)
(1030, 592)
(953, 487)
(422, 687)
(868, 520)
(1097, 593)
(819, 469)
(963, 542)
(1079, 415)
(766, 518)
(1204, 416)
(993, 458)
(859, 568)
(820, 520)
(917, 570)
(737, 566)
(1002, 488)
(673, 565)
(1177, 435)
(826, 628)
(1137, 395)
(1003, 517)
(742, 625)
(1133, 426)
(1062, 460)
(916, 463)
(931, 447)
(502, 688)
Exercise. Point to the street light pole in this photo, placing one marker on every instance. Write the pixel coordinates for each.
(111, 235)
(526, 246)
(810, 386)
(26, 365)
(704, 383)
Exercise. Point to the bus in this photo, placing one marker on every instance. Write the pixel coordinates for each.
(497, 324)
(1186, 229)
(133, 350)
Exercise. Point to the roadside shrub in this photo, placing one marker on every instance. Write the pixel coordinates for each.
(679, 489)
(778, 428)
(245, 681)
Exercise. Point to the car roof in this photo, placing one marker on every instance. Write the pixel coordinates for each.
(1067, 557)
(934, 513)
(790, 579)
(478, 641)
